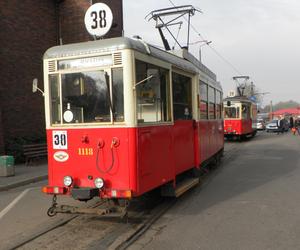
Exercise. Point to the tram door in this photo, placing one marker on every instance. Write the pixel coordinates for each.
(183, 134)
(246, 118)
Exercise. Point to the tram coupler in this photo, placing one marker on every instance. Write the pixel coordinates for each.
(109, 211)
(51, 211)
(119, 212)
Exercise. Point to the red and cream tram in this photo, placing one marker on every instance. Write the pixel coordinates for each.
(124, 117)
(240, 115)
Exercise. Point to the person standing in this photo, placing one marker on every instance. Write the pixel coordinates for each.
(280, 126)
(297, 125)
(291, 122)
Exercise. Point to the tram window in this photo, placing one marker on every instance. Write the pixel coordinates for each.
(118, 94)
(211, 110)
(153, 95)
(218, 105)
(232, 112)
(245, 111)
(54, 99)
(211, 105)
(182, 97)
(86, 94)
(203, 101)
(203, 110)
(203, 91)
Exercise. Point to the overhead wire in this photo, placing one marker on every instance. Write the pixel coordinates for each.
(213, 49)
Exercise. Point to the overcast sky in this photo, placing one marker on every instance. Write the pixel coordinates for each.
(260, 38)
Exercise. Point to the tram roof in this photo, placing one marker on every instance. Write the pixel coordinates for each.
(238, 99)
(113, 44)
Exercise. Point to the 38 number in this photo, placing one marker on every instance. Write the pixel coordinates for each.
(99, 19)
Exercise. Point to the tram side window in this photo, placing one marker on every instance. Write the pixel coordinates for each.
(211, 101)
(182, 97)
(218, 104)
(203, 101)
(54, 99)
(118, 94)
(153, 94)
(245, 112)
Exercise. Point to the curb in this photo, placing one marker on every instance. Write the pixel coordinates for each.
(23, 182)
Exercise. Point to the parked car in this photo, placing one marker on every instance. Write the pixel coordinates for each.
(273, 126)
(260, 124)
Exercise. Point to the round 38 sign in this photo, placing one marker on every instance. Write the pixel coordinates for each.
(98, 19)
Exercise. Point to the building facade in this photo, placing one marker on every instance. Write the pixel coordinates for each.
(27, 29)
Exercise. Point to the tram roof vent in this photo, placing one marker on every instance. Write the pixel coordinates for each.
(51, 66)
(117, 58)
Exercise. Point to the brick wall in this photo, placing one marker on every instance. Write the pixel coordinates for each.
(27, 29)
(72, 20)
(1, 134)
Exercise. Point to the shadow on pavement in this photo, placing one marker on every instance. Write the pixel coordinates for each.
(259, 162)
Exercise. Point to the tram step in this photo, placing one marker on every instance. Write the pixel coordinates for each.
(180, 189)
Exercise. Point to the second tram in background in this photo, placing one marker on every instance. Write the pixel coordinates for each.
(240, 115)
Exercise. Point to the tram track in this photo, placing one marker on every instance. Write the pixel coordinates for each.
(48, 229)
(122, 236)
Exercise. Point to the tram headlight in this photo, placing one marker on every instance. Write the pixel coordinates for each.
(68, 181)
(99, 182)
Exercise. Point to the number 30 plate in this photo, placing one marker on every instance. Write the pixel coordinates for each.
(60, 139)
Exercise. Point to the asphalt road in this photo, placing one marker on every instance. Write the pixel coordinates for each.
(252, 202)
(23, 213)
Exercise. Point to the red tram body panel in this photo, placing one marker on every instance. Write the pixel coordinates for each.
(144, 134)
(144, 159)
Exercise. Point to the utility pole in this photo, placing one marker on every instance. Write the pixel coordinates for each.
(252, 89)
(271, 111)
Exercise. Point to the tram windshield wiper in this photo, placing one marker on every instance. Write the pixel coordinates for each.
(142, 81)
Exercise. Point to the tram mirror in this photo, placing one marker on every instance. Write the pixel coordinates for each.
(34, 85)
(228, 103)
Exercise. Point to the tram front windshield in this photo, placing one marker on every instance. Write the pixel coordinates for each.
(87, 97)
(232, 112)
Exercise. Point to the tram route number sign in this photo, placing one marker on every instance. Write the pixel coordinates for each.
(60, 139)
(98, 19)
